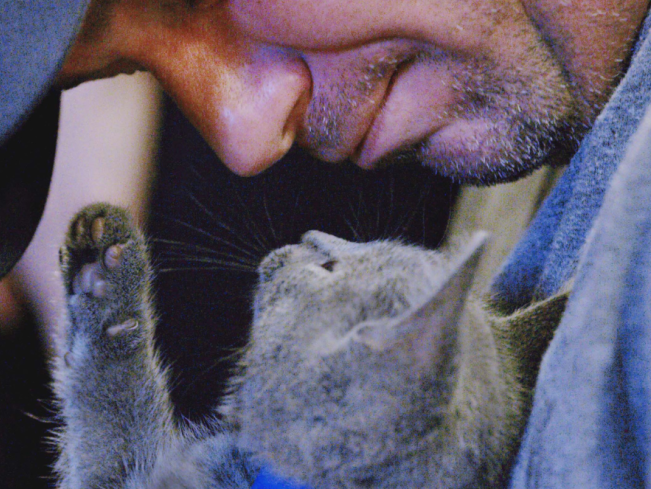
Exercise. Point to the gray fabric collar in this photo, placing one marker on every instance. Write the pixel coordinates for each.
(547, 256)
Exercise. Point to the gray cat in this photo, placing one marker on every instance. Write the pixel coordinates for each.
(366, 368)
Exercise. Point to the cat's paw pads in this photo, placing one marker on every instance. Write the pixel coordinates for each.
(95, 249)
(90, 280)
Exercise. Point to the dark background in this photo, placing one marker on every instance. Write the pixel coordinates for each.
(208, 228)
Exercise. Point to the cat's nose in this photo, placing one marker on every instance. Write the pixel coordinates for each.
(273, 262)
(323, 242)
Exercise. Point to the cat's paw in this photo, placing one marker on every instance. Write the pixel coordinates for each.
(105, 270)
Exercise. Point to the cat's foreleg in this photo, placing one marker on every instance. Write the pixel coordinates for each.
(113, 394)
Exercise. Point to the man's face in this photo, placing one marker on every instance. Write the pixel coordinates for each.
(479, 90)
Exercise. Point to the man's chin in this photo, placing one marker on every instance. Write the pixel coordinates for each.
(497, 153)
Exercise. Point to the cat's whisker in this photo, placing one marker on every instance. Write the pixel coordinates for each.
(220, 362)
(356, 228)
(199, 259)
(192, 247)
(188, 255)
(353, 229)
(220, 223)
(211, 236)
(294, 212)
(447, 224)
(406, 220)
(207, 268)
(41, 419)
(367, 232)
(271, 224)
(378, 220)
(251, 226)
(392, 186)
(181, 257)
(225, 256)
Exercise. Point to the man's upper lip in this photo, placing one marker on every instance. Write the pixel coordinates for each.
(380, 106)
(396, 71)
(383, 61)
(357, 123)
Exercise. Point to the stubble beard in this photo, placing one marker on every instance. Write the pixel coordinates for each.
(517, 121)
(526, 119)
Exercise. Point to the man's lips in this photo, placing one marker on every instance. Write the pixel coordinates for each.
(341, 114)
(336, 130)
(381, 95)
(418, 102)
(355, 155)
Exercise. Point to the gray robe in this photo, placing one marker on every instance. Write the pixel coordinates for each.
(591, 423)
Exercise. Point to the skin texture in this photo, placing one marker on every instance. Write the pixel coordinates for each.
(481, 91)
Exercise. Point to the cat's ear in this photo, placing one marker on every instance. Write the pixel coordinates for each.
(426, 331)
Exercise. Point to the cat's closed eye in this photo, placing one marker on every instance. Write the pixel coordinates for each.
(329, 265)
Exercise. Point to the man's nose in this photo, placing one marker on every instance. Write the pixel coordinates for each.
(247, 105)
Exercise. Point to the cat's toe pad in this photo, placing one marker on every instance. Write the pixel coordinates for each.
(113, 256)
(90, 280)
(88, 231)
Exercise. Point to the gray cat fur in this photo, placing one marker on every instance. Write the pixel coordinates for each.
(114, 402)
(366, 367)
(381, 378)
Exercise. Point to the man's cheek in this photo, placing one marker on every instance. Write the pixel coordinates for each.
(314, 25)
(461, 26)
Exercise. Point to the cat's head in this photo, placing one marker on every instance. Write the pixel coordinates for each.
(349, 342)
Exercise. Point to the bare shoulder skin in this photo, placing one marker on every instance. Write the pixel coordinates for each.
(367, 367)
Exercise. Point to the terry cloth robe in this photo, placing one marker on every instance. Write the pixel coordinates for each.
(590, 425)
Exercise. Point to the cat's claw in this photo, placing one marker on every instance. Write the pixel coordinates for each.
(128, 325)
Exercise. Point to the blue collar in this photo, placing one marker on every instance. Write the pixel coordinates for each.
(266, 480)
